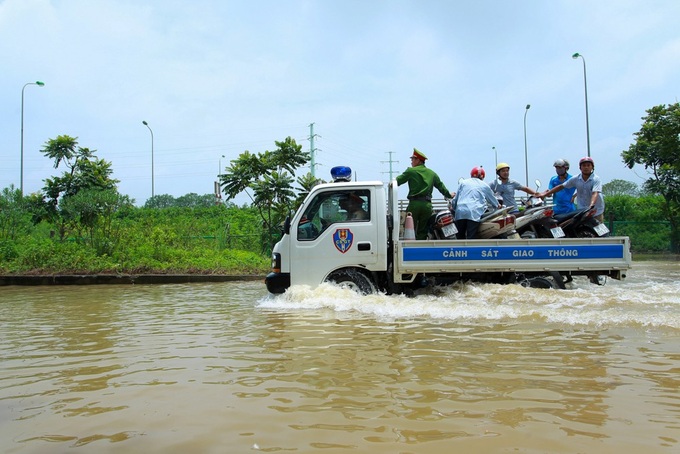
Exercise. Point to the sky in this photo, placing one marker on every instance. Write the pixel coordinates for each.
(214, 78)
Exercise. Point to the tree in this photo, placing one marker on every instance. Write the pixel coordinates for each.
(306, 183)
(90, 214)
(657, 147)
(14, 218)
(160, 201)
(193, 200)
(84, 171)
(620, 187)
(267, 179)
(190, 200)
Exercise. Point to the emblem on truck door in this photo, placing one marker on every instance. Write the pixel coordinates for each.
(342, 239)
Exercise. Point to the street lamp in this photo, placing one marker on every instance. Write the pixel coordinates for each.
(147, 125)
(219, 171)
(585, 84)
(495, 154)
(526, 159)
(21, 179)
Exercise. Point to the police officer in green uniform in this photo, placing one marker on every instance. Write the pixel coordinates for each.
(420, 181)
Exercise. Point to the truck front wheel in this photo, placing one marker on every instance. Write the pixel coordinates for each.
(352, 279)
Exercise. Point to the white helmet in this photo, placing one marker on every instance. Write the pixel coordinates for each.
(561, 163)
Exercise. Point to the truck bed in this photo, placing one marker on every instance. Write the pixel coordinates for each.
(609, 256)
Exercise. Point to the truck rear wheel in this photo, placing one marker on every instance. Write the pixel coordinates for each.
(538, 282)
(559, 280)
(352, 279)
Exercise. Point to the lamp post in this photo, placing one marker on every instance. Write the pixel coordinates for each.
(151, 131)
(219, 170)
(526, 159)
(21, 179)
(585, 85)
(495, 154)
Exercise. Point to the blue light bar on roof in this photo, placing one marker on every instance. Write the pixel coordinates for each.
(341, 173)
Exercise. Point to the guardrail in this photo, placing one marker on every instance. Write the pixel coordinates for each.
(441, 204)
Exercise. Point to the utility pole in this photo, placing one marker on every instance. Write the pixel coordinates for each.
(312, 150)
(391, 172)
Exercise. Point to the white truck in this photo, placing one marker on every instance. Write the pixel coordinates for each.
(323, 242)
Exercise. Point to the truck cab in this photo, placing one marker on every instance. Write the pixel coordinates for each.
(337, 235)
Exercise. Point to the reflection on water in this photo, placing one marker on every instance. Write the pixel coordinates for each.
(227, 368)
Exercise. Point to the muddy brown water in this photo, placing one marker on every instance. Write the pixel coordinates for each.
(224, 367)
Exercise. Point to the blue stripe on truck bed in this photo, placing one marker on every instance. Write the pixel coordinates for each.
(558, 252)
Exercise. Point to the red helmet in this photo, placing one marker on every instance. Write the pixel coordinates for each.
(586, 159)
(478, 172)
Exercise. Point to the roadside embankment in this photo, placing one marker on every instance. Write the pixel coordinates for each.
(96, 279)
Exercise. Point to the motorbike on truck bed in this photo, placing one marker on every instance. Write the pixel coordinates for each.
(536, 220)
(496, 223)
(581, 223)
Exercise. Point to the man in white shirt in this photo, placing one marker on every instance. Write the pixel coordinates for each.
(588, 188)
(470, 203)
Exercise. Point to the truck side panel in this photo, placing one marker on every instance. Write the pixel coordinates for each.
(535, 255)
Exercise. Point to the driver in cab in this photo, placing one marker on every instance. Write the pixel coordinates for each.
(353, 205)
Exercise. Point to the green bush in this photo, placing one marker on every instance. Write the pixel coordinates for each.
(214, 239)
(8, 250)
(641, 219)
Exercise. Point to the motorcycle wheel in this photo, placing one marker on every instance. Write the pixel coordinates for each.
(585, 232)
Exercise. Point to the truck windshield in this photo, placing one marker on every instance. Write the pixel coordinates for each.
(333, 207)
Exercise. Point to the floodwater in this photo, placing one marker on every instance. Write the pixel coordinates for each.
(226, 368)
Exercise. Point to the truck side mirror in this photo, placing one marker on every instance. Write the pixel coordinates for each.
(286, 225)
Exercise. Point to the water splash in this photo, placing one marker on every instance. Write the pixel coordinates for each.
(649, 297)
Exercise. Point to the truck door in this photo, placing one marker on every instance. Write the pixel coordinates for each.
(338, 228)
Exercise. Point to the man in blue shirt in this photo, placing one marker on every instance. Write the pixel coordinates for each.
(563, 199)
(588, 188)
(470, 203)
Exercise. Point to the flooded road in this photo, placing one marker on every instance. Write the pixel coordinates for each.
(225, 367)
